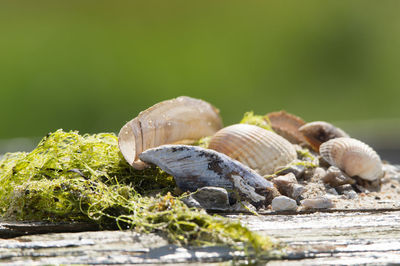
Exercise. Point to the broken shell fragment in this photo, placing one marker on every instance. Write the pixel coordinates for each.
(319, 132)
(170, 121)
(195, 167)
(354, 157)
(287, 125)
(258, 148)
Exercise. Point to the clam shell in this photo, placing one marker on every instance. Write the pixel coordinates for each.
(287, 125)
(194, 167)
(352, 156)
(258, 148)
(319, 132)
(170, 121)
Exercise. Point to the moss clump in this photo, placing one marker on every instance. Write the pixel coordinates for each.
(70, 177)
(257, 120)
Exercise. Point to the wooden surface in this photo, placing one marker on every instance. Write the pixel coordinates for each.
(318, 238)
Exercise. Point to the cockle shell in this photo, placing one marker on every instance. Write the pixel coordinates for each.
(170, 121)
(287, 125)
(319, 132)
(194, 167)
(258, 148)
(352, 156)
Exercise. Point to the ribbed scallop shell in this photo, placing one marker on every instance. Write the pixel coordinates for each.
(352, 156)
(170, 121)
(260, 149)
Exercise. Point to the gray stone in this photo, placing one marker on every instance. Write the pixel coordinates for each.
(191, 202)
(335, 177)
(351, 194)
(296, 169)
(209, 198)
(242, 206)
(332, 191)
(317, 203)
(288, 186)
(342, 189)
(283, 203)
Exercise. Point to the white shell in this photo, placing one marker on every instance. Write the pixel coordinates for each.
(195, 167)
(170, 121)
(258, 148)
(352, 156)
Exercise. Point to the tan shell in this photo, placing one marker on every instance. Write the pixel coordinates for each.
(352, 156)
(258, 148)
(170, 121)
(319, 132)
(287, 125)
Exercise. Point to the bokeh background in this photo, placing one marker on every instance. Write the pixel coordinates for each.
(93, 65)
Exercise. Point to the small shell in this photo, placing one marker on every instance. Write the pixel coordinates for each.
(354, 157)
(195, 167)
(319, 132)
(170, 121)
(287, 125)
(260, 149)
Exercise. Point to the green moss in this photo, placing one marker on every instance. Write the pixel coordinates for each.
(70, 177)
(257, 120)
(203, 142)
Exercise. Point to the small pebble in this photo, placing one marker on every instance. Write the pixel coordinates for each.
(288, 186)
(243, 206)
(332, 191)
(335, 177)
(283, 203)
(296, 169)
(212, 198)
(351, 194)
(191, 202)
(317, 203)
(342, 189)
(319, 172)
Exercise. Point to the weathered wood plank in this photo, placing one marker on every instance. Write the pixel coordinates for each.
(14, 229)
(311, 239)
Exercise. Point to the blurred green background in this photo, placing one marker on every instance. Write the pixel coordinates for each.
(93, 65)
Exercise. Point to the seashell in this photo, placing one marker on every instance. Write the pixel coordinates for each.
(194, 167)
(258, 148)
(287, 125)
(354, 157)
(170, 121)
(319, 132)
